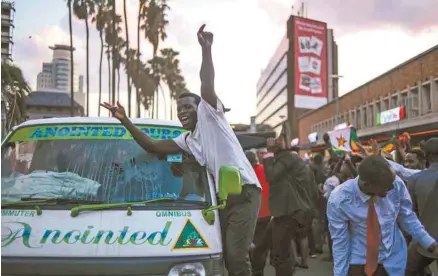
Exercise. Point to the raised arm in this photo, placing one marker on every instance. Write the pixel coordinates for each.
(207, 70)
(142, 139)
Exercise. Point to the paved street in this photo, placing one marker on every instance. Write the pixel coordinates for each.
(316, 267)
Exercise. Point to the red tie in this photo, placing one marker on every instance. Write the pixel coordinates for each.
(373, 239)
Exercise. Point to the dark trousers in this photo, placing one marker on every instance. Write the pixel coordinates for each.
(329, 237)
(284, 230)
(312, 243)
(278, 256)
(238, 221)
(359, 270)
(416, 262)
(263, 244)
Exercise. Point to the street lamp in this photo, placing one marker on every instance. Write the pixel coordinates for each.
(336, 77)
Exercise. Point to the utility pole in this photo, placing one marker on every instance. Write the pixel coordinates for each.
(335, 85)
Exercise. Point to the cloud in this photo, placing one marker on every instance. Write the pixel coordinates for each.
(353, 15)
(247, 33)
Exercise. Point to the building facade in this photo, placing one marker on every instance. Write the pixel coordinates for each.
(50, 104)
(55, 75)
(402, 99)
(278, 98)
(8, 11)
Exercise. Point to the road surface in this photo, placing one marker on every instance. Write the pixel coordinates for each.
(316, 267)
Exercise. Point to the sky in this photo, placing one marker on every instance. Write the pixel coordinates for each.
(373, 36)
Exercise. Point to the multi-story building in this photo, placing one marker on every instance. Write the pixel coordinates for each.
(300, 75)
(8, 11)
(52, 98)
(403, 99)
(55, 75)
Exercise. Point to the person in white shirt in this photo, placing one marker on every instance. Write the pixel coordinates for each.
(213, 143)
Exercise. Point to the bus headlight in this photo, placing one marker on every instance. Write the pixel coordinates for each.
(191, 269)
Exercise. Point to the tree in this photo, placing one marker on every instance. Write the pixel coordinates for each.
(82, 9)
(154, 30)
(72, 67)
(99, 19)
(140, 16)
(170, 72)
(146, 77)
(14, 91)
(128, 57)
(118, 60)
(113, 48)
(112, 29)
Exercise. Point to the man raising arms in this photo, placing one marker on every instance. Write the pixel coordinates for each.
(213, 143)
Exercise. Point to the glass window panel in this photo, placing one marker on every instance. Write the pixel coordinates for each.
(271, 107)
(276, 118)
(279, 86)
(271, 79)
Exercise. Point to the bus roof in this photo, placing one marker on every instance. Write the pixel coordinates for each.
(96, 120)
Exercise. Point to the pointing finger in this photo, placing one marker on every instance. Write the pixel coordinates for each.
(201, 29)
(119, 105)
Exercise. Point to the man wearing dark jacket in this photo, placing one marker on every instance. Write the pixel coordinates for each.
(423, 188)
(292, 197)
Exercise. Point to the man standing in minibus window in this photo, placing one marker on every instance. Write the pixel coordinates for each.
(213, 143)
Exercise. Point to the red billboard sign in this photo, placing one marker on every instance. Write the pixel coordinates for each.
(310, 58)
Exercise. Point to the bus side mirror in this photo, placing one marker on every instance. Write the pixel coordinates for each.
(230, 183)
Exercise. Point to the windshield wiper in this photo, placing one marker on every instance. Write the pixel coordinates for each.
(76, 210)
(172, 200)
(49, 201)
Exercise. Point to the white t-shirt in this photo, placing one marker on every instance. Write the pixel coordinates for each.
(214, 144)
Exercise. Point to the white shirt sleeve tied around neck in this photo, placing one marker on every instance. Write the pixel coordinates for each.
(214, 144)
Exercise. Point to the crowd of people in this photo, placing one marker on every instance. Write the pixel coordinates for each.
(365, 200)
(379, 213)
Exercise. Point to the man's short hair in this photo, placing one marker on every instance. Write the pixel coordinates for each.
(252, 157)
(419, 153)
(192, 95)
(431, 147)
(375, 169)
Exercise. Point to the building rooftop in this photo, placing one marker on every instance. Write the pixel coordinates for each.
(61, 47)
(50, 99)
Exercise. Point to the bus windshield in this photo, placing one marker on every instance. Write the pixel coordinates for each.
(103, 165)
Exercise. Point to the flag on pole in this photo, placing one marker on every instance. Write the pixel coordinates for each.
(389, 145)
(343, 141)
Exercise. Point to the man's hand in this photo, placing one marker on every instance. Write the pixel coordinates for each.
(434, 250)
(205, 39)
(375, 149)
(116, 111)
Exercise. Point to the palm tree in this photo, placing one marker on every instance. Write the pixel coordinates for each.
(154, 29)
(82, 9)
(70, 27)
(99, 19)
(112, 30)
(127, 56)
(113, 48)
(171, 74)
(14, 90)
(117, 61)
(140, 16)
(108, 59)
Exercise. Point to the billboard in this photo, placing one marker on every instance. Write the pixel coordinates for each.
(310, 62)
